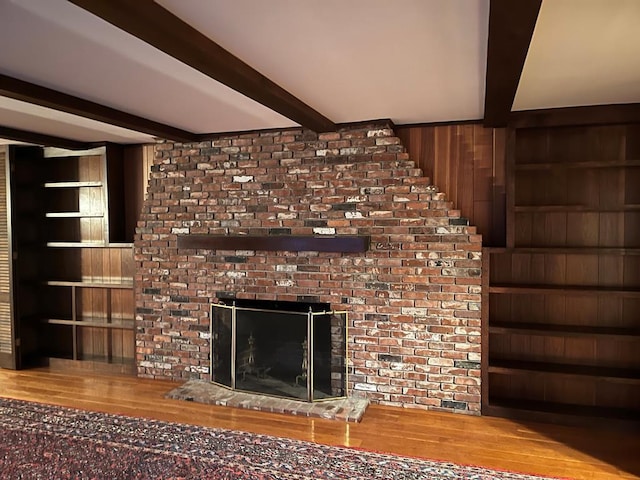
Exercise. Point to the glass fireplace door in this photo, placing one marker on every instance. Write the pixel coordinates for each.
(222, 328)
(288, 354)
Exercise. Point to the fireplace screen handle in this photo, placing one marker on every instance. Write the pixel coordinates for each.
(233, 345)
(309, 354)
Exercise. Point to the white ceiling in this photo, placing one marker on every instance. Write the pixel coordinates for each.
(359, 59)
(583, 52)
(414, 61)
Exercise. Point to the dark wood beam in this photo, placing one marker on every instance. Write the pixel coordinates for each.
(511, 25)
(578, 116)
(41, 139)
(158, 27)
(291, 243)
(46, 97)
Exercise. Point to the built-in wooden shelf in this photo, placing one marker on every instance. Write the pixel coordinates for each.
(589, 411)
(564, 250)
(88, 245)
(291, 243)
(611, 374)
(561, 297)
(124, 324)
(72, 184)
(73, 215)
(119, 283)
(76, 244)
(544, 329)
(578, 165)
(76, 285)
(110, 359)
(575, 208)
(563, 289)
(104, 364)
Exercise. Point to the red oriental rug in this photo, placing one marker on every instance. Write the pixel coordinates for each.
(47, 442)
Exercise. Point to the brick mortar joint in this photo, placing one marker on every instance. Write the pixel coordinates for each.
(154, 276)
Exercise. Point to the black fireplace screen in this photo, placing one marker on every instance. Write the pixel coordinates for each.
(292, 354)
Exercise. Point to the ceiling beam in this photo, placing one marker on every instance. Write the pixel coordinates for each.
(511, 25)
(158, 27)
(46, 97)
(584, 115)
(42, 139)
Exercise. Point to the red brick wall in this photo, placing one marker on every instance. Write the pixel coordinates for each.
(413, 298)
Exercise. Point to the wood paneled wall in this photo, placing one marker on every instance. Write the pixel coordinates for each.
(467, 162)
(138, 161)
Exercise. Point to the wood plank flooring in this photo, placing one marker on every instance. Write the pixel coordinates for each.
(492, 442)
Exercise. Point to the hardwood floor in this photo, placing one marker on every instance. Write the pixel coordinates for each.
(492, 442)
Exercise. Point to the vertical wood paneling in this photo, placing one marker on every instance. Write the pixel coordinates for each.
(110, 305)
(148, 156)
(467, 162)
(138, 160)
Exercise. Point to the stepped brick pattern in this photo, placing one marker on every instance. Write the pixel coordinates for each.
(413, 298)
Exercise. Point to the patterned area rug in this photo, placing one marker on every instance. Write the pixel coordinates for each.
(47, 442)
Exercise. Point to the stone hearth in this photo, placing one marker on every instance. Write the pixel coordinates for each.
(346, 409)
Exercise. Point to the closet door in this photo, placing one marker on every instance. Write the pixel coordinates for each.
(7, 327)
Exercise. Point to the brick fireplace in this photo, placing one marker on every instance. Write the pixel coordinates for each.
(413, 296)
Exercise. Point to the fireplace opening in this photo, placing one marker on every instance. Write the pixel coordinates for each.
(285, 349)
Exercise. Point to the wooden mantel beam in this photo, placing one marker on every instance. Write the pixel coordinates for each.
(292, 243)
